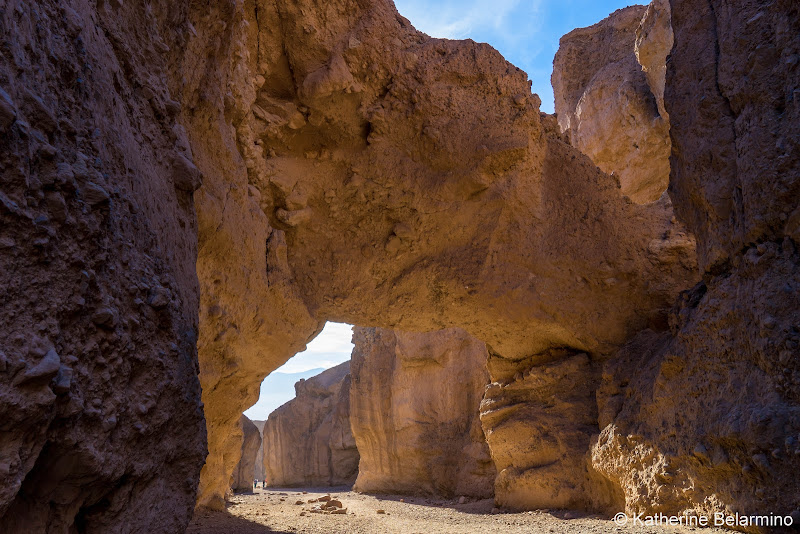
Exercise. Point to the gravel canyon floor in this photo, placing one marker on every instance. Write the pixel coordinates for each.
(275, 510)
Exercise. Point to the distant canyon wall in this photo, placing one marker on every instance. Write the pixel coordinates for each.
(414, 403)
(243, 475)
(259, 471)
(308, 441)
(608, 82)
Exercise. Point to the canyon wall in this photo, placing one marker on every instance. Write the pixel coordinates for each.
(243, 475)
(610, 107)
(308, 441)
(259, 472)
(354, 169)
(373, 175)
(414, 404)
(101, 425)
(709, 421)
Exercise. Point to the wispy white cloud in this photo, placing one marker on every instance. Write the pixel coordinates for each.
(460, 19)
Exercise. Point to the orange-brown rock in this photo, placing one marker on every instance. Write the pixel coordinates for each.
(350, 192)
(414, 412)
(308, 440)
(654, 40)
(709, 421)
(101, 426)
(604, 100)
(243, 475)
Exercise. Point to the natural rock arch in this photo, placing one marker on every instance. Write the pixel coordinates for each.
(376, 176)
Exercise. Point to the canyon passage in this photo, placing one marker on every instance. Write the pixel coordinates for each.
(593, 312)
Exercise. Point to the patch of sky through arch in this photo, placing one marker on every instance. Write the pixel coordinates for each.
(330, 348)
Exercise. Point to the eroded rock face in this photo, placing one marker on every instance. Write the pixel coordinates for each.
(259, 471)
(353, 193)
(539, 418)
(709, 422)
(97, 285)
(654, 40)
(308, 440)
(251, 445)
(414, 412)
(604, 100)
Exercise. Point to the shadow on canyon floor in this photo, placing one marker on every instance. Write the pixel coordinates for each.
(216, 522)
(289, 510)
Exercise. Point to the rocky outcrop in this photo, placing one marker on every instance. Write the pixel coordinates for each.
(308, 440)
(259, 471)
(539, 415)
(709, 421)
(612, 110)
(243, 475)
(414, 413)
(344, 189)
(98, 291)
(654, 40)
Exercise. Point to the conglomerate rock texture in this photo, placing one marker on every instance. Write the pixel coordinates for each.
(101, 426)
(251, 445)
(414, 404)
(612, 109)
(707, 418)
(376, 176)
(308, 441)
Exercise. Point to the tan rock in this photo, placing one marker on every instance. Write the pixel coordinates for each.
(414, 412)
(251, 443)
(308, 441)
(437, 198)
(418, 216)
(101, 422)
(706, 420)
(604, 102)
(259, 471)
(654, 40)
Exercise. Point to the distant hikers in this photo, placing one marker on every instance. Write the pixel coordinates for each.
(263, 484)
(255, 484)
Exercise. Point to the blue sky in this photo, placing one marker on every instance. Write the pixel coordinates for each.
(331, 347)
(526, 32)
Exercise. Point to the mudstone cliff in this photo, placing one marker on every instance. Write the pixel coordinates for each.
(414, 404)
(243, 474)
(308, 440)
(199, 188)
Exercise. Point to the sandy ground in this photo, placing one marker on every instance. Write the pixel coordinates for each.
(274, 510)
